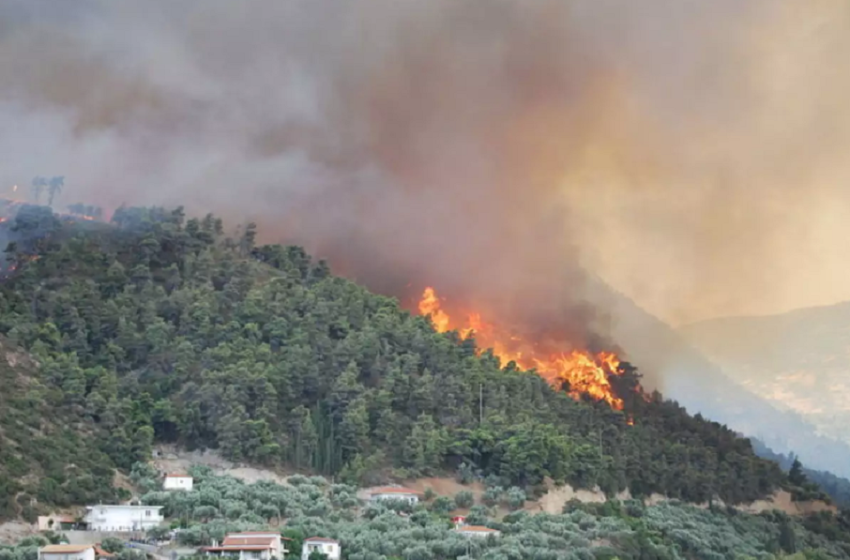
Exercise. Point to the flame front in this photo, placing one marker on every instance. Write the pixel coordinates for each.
(585, 373)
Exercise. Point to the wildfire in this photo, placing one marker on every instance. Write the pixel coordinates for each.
(586, 373)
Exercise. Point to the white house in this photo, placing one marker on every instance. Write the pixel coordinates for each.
(477, 531)
(394, 493)
(260, 545)
(177, 482)
(122, 517)
(328, 547)
(67, 552)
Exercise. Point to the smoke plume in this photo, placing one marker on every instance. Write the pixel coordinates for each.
(691, 153)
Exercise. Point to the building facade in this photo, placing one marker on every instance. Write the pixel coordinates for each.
(178, 482)
(329, 547)
(477, 531)
(123, 517)
(394, 493)
(250, 546)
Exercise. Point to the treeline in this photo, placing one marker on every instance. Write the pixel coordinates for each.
(163, 328)
(836, 487)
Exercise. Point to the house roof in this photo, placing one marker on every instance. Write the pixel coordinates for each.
(321, 539)
(102, 553)
(65, 548)
(476, 529)
(258, 533)
(61, 518)
(226, 548)
(174, 475)
(231, 541)
(394, 490)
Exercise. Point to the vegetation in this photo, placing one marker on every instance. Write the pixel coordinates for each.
(159, 328)
(814, 483)
(47, 452)
(629, 530)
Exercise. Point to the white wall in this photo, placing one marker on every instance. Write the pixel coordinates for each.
(409, 498)
(331, 549)
(87, 554)
(178, 483)
(123, 518)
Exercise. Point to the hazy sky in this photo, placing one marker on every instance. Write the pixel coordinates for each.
(694, 153)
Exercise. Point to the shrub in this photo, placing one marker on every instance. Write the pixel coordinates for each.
(443, 505)
(464, 499)
(492, 495)
(515, 497)
(113, 545)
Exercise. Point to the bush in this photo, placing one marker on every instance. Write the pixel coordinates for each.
(492, 495)
(442, 505)
(465, 473)
(464, 499)
(515, 497)
(113, 545)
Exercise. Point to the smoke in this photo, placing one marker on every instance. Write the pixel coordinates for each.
(691, 153)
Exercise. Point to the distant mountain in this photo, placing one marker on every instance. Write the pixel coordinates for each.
(836, 487)
(685, 373)
(796, 360)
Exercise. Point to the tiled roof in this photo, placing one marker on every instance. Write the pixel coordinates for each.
(65, 548)
(321, 539)
(99, 552)
(232, 540)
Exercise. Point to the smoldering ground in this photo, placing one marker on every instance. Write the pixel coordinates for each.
(692, 153)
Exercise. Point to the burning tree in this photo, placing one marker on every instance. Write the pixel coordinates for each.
(599, 376)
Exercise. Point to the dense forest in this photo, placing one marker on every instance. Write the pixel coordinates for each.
(161, 328)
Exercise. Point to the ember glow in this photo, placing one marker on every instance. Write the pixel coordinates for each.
(584, 372)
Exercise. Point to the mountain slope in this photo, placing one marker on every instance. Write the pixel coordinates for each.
(688, 376)
(48, 457)
(164, 329)
(798, 360)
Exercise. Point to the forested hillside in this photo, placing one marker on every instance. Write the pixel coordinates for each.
(47, 452)
(159, 328)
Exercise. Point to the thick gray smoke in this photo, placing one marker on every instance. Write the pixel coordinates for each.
(689, 152)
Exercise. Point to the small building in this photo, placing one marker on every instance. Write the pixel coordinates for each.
(55, 522)
(477, 531)
(178, 482)
(259, 545)
(394, 493)
(329, 547)
(72, 552)
(122, 517)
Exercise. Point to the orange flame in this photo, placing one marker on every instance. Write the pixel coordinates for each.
(430, 305)
(586, 374)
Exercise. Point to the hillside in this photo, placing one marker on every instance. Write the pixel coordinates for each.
(47, 451)
(688, 373)
(163, 329)
(797, 360)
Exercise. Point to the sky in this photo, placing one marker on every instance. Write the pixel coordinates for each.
(692, 153)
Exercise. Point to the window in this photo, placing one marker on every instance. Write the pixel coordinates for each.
(147, 513)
